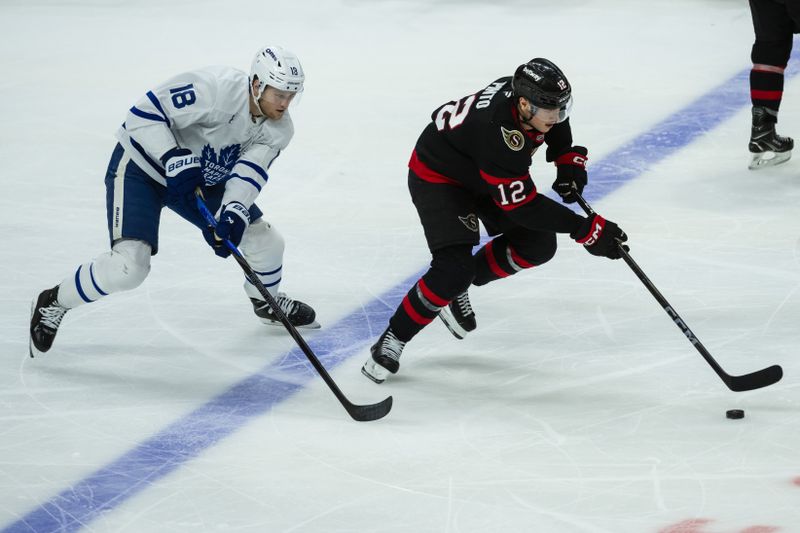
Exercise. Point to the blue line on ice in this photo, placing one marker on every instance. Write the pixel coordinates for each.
(189, 436)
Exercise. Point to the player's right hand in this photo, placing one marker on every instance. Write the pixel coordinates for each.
(601, 237)
(183, 172)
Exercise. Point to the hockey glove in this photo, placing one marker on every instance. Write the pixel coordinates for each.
(601, 237)
(571, 173)
(233, 220)
(183, 174)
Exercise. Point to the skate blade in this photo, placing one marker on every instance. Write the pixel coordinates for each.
(374, 371)
(768, 159)
(312, 325)
(32, 351)
(451, 325)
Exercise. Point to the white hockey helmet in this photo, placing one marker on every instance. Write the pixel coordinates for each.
(279, 68)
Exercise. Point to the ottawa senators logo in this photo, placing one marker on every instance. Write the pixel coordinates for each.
(470, 221)
(513, 139)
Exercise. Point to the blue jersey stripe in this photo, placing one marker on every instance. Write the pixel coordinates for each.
(251, 181)
(138, 147)
(147, 116)
(260, 171)
(157, 104)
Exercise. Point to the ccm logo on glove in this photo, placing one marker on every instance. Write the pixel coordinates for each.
(597, 228)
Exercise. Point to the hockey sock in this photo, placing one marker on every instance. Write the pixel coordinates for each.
(262, 246)
(766, 86)
(499, 259)
(123, 268)
(450, 274)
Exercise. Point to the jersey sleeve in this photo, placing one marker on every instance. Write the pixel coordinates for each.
(558, 139)
(176, 104)
(251, 172)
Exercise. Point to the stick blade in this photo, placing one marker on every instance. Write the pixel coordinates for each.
(368, 413)
(762, 378)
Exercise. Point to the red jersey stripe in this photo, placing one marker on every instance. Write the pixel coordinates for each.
(426, 173)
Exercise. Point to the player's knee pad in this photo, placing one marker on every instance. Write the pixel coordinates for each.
(125, 267)
(772, 52)
(262, 244)
(452, 271)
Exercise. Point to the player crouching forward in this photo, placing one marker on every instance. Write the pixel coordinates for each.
(215, 129)
(472, 164)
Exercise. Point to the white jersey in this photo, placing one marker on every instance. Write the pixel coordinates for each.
(207, 111)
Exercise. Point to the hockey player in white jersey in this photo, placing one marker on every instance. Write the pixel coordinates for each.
(215, 128)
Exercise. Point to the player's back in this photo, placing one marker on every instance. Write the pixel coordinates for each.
(474, 133)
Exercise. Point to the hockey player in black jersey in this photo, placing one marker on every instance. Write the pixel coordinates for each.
(471, 164)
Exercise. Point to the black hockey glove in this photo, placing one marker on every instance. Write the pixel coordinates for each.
(183, 174)
(601, 237)
(233, 221)
(571, 173)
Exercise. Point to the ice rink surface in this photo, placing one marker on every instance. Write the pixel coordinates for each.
(577, 406)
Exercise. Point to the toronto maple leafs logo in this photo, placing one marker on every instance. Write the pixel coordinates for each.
(217, 169)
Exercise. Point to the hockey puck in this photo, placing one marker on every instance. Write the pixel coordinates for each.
(735, 414)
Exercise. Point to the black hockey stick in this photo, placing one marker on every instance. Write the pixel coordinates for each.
(361, 413)
(756, 380)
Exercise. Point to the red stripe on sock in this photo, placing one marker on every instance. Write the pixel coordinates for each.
(430, 295)
(518, 260)
(766, 95)
(412, 313)
(493, 265)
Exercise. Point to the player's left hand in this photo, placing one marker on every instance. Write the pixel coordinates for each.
(571, 173)
(184, 174)
(233, 221)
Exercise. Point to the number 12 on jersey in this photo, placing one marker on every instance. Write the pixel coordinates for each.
(452, 114)
(516, 190)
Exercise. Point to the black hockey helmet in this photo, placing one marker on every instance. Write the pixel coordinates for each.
(542, 83)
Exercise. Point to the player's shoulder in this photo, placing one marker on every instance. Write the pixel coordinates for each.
(502, 130)
(276, 133)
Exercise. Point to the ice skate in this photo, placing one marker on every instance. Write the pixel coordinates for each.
(46, 315)
(385, 358)
(300, 315)
(767, 147)
(458, 316)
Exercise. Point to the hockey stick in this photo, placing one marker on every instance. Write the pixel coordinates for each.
(361, 413)
(756, 380)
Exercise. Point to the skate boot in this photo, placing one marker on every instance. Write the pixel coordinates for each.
(768, 148)
(300, 315)
(458, 316)
(385, 357)
(46, 315)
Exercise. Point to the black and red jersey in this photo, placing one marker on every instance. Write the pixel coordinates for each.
(478, 143)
